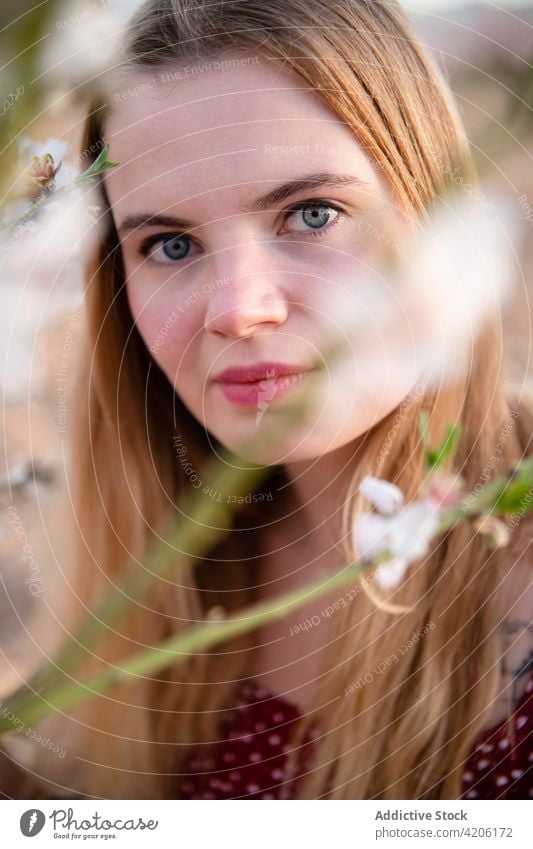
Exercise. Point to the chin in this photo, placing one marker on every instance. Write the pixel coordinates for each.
(291, 447)
(257, 453)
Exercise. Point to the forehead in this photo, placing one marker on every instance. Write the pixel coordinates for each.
(188, 131)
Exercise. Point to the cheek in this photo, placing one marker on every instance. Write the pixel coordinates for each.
(331, 294)
(168, 327)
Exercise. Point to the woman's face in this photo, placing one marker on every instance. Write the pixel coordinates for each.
(250, 219)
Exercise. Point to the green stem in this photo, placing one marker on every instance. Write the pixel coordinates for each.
(100, 164)
(202, 522)
(47, 690)
(187, 538)
(60, 696)
(176, 649)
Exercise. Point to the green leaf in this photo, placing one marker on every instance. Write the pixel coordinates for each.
(440, 456)
(435, 458)
(100, 164)
(517, 495)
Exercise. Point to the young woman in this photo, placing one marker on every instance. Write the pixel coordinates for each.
(258, 145)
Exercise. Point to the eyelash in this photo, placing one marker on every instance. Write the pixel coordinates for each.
(149, 242)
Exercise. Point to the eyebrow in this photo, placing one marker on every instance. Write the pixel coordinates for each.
(260, 204)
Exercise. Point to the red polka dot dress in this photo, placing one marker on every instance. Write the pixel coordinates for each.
(248, 761)
(501, 764)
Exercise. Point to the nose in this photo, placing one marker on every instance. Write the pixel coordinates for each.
(245, 295)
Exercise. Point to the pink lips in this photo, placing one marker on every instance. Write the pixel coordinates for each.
(259, 384)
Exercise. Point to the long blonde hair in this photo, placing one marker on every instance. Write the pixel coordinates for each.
(407, 734)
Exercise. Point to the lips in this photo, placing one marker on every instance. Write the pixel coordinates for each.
(259, 371)
(259, 384)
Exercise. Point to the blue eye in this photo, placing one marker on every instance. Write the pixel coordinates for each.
(317, 217)
(173, 247)
(176, 248)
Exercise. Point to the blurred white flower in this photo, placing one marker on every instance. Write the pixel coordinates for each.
(9, 216)
(403, 535)
(413, 309)
(465, 262)
(42, 163)
(443, 489)
(20, 319)
(40, 279)
(65, 175)
(45, 243)
(388, 575)
(63, 230)
(496, 532)
(83, 43)
(28, 148)
(385, 496)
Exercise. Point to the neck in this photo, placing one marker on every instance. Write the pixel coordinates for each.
(319, 488)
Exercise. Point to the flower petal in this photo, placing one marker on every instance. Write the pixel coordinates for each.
(28, 147)
(385, 496)
(496, 532)
(390, 573)
(371, 533)
(412, 529)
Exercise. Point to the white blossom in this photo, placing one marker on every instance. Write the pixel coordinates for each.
(28, 148)
(34, 162)
(404, 536)
(40, 278)
(414, 320)
(385, 497)
(493, 529)
(389, 574)
(84, 43)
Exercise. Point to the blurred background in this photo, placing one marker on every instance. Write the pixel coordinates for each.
(52, 53)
